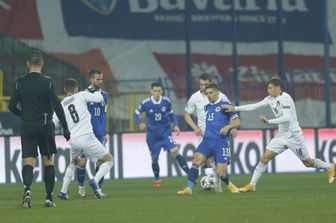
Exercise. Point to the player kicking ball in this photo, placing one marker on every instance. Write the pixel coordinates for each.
(215, 141)
(289, 135)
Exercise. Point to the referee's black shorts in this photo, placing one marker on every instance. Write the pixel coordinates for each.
(37, 134)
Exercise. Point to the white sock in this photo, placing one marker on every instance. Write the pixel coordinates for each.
(103, 170)
(259, 170)
(319, 164)
(69, 173)
(214, 173)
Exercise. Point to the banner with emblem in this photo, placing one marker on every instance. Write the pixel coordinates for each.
(209, 20)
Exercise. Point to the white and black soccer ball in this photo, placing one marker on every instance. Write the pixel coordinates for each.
(208, 182)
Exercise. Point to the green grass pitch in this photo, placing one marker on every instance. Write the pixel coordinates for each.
(285, 198)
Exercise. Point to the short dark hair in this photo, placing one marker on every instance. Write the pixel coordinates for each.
(156, 84)
(276, 81)
(205, 77)
(35, 58)
(70, 84)
(213, 86)
(94, 71)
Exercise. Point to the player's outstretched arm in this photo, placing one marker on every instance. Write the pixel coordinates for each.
(228, 108)
(248, 107)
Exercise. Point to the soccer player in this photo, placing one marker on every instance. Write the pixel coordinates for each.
(159, 115)
(98, 121)
(195, 105)
(215, 141)
(289, 132)
(82, 138)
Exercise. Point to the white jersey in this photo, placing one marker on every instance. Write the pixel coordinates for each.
(283, 108)
(196, 105)
(76, 112)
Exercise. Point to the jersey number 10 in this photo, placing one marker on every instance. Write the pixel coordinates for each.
(96, 111)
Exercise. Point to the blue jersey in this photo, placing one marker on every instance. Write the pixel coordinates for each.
(159, 115)
(216, 119)
(98, 117)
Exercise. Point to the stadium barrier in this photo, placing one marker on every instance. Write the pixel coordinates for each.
(132, 159)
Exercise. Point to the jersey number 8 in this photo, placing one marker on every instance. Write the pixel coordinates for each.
(73, 113)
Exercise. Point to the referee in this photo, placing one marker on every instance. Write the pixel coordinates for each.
(34, 99)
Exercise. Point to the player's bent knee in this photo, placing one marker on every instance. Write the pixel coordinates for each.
(31, 161)
(107, 157)
(48, 163)
(81, 163)
(174, 150)
(264, 160)
(221, 174)
(198, 159)
(75, 162)
(99, 162)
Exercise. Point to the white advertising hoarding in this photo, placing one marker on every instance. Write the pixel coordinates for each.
(132, 157)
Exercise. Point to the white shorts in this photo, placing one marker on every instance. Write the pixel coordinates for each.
(89, 145)
(294, 142)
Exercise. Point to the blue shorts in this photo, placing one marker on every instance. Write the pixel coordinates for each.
(215, 147)
(155, 144)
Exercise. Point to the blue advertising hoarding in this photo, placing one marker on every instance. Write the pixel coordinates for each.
(209, 19)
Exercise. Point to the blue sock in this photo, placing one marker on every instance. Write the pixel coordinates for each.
(190, 184)
(80, 175)
(226, 180)
(192, 176)
(156, 171)
(183, 164)
(101, 181)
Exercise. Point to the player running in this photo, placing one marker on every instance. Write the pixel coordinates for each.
(289, 134)
(159, 115)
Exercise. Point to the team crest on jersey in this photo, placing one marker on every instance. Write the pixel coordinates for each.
(104, 7)
(91, 103)
(103, 103)
(217, 109)
(151, 111)
(164, 109)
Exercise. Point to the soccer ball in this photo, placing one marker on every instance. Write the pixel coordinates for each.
(208, 182)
